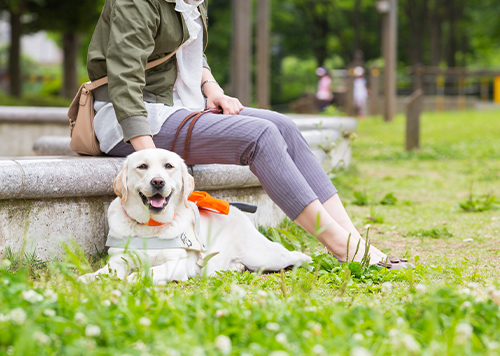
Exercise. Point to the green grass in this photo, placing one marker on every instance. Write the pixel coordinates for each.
(448, 305)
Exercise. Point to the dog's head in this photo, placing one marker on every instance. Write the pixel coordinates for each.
(153, 184)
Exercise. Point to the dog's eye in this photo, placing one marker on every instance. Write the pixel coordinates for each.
(169, 166)
(143, 166)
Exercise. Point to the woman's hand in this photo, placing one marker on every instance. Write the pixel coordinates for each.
(142, 142)
(229, 105)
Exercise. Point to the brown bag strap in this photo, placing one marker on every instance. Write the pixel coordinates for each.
(195, 116)
(100, 82)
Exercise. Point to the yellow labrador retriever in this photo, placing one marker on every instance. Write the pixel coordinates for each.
(153, 218)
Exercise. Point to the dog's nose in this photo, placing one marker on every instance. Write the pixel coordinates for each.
(157, 182)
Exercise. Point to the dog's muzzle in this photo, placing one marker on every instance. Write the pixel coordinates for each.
(156, 203)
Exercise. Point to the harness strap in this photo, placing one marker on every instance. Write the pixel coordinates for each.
(153, 243)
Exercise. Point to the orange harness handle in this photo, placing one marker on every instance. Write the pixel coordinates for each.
(205, 201)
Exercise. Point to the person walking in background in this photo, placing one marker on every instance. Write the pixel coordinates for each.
(324, 94)
(360, 92)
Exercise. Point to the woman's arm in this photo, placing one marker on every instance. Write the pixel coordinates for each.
(215, 99)
(215, 95)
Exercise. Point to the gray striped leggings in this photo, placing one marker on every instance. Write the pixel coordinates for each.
(269, 142)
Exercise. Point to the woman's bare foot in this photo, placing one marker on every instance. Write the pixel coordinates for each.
(333, 236)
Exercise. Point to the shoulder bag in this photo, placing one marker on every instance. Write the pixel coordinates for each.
(81, 115)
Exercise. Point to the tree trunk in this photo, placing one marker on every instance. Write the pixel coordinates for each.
(71, 46)
(435, 29)
(357, 21)
(452, 35)
(15, 54)
(416, 10)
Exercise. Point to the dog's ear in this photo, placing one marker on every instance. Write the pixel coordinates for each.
(120, 183)
(187, 184)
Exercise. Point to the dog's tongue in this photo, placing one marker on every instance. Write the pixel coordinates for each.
(156, 201)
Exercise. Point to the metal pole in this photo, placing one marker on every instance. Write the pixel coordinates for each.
(263, 59)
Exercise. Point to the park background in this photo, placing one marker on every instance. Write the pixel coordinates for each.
(302, 36)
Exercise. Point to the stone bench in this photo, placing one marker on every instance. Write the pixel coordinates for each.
(49, 200)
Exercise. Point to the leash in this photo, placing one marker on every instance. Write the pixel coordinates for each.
(195, 116)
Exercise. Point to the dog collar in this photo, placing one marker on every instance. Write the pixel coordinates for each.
(152, 222)
(190, 240)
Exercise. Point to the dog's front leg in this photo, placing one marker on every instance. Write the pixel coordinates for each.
(174, 269)
(119, 264)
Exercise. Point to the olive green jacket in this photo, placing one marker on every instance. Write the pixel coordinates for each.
(129, 34)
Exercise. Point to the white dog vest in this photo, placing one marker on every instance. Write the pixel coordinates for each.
(191, 239)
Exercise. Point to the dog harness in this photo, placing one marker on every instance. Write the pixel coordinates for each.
(191, 239)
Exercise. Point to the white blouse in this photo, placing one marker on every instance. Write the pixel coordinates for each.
(187, 93)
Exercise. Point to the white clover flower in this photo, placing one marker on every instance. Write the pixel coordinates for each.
(410, 343)
(4, 318)
(278, 353)
(198, 351)
(281, 338)
(310, 309)
(490, 289)
(10, 350)
(106, 303)
(5, 264)
(473, 285)
(92, 331)
(360, 351)
(369, 333)
(272, 326)
(464, 291)
(5, 282)
(238, 292)
(400, 321)
(421, 288)
(316, 328)
(41, 338)
(306, 334)
(31, 296)
(466, 305)
(172, 352)
(90, 344)
(139, 345)
(80, 318)
(318, 349)
(337, 299)
(18, 316)
(117, 293)
(50, 295)
(387, 287)
(493, 345)
(220, 313)
(464, 330)
(49, 312)
(393, 333)
(84, 300)
(223, 343)
(145, 321)
(358, 337)
(495, 297)
(261, 297)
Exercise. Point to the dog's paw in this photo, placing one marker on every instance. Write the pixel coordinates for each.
(133, 277)
(87, 278)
